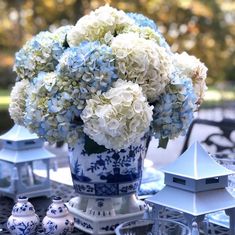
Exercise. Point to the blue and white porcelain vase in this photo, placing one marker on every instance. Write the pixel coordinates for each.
(106, 183)
(58, 220)
(24, 220)
(109, 173)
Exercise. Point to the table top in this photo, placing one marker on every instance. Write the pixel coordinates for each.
(67, 192)
(40, 205)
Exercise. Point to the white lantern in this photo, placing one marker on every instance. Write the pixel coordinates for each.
(195, 185)
(21, 156)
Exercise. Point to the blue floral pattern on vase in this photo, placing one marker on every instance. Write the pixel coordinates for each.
(22, 209)
(23, 220)
(84, 224)
(52, 228)
(111, 173)
(58, 220)
(22, 228)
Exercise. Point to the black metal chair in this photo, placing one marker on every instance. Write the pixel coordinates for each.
(222, 139)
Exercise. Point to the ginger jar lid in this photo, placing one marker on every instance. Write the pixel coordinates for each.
(57, 208)
(23, 207)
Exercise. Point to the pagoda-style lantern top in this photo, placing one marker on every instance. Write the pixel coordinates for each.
(195, 185)
(195, 170)
(16, 145)
(21, 158)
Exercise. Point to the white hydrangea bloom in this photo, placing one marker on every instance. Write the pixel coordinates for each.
(193, 68)
(17, 104)
(150, 34)
(119, 117)
(100, 25)
(61, 33)
(143, 62)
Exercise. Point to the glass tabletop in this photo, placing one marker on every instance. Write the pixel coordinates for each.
(226, 159)
(152, 227)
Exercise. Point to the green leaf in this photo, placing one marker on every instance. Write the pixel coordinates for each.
(65, 44)
(163, 142)
(92, 147)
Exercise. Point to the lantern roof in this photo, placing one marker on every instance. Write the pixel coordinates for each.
(196, 204)
(196, 163)
(25, 155)
(18, 133)
(18, 138)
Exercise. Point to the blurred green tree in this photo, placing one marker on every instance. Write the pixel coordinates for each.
(205, 28)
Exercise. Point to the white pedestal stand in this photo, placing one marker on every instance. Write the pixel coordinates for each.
(101, 216)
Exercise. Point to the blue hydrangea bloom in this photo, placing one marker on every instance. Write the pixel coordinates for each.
(51, 112)
(142, 20)
(91, 65)
(41, 53)
(173, 112)
(163, 43)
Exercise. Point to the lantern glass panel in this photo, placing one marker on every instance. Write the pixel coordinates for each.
(40, 171)
(6, 170)
(227, 160)
(30, 173)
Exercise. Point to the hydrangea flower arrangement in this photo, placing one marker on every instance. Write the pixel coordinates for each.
(112, 78)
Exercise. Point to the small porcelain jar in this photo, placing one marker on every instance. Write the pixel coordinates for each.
(58, 220)
(23, 220)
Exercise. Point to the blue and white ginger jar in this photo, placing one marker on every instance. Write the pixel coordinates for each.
(58, 220)
(24, 220)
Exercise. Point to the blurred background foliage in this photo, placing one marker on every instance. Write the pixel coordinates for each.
(205, 28)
